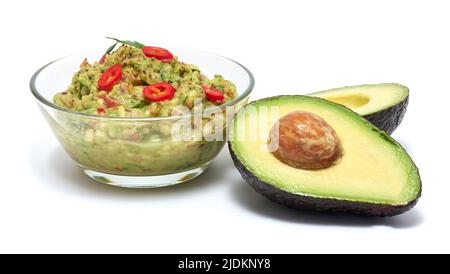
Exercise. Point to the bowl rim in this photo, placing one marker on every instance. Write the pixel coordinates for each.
(50, 104)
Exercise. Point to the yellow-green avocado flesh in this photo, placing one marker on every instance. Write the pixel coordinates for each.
(375, 175)
(384, 105)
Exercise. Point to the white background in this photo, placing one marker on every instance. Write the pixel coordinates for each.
(48, 205)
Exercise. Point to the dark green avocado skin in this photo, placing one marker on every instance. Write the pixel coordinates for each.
(389, 119)
(318, 204)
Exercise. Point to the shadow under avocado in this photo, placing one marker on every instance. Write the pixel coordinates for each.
(253, 201)
(56, 169)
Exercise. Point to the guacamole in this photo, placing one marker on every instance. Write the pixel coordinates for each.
(126, 97)
(141, 82)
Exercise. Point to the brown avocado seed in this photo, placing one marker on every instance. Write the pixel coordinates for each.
(305, 141)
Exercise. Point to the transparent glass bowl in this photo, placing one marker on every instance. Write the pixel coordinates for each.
(140, 152)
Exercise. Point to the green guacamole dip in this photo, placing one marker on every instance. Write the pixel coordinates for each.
(131, 147)
(84, 95)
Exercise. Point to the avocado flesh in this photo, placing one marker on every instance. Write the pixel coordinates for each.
(375, 176)
(384, 105)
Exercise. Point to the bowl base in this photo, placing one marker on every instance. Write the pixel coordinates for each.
(152, 181)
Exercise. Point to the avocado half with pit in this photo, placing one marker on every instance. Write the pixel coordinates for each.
(372, 175)
(384, 105)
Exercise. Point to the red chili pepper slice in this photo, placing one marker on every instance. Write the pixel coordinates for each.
(157, 53)
(159, 92)
(110, 77)
(213, 94)
(108, 102)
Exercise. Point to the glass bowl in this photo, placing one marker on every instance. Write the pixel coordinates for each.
(141, 152)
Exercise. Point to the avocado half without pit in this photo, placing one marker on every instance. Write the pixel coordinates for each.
(384, 105)
(310, 153)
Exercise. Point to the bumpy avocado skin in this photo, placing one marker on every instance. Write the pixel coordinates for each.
(319, 204)
(389, 119)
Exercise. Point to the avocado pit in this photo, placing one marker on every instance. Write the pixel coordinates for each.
(305, 141)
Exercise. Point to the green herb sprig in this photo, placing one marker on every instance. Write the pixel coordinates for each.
(111, 48)
(135, 44)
